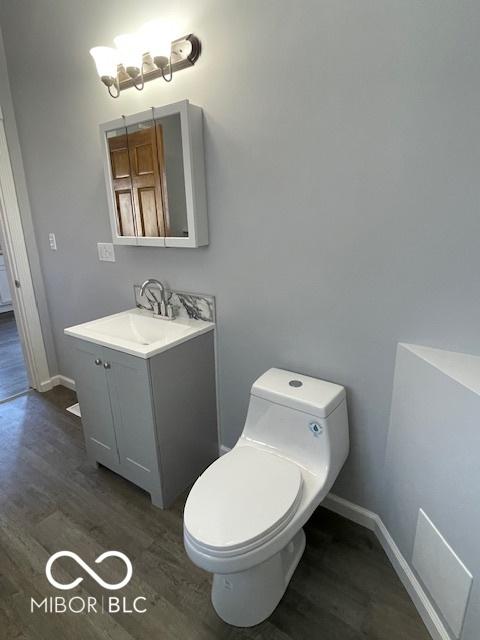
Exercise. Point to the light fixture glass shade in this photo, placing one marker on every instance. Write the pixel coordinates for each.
(157, 37)
(130, 50)
(106, 60)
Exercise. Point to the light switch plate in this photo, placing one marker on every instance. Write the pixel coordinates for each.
(106, 252)
(52, 241)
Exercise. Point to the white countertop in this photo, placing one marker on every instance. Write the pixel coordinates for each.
(138, 333)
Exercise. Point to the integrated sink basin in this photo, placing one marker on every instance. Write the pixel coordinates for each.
(138, 333)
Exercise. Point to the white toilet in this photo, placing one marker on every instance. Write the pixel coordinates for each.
(244, 516)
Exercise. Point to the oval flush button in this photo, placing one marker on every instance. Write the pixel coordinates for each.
(295, 383)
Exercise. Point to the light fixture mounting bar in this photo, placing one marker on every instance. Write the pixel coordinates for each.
(185, 52)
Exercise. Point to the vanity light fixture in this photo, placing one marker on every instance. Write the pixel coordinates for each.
(143, 56)
(130, 54)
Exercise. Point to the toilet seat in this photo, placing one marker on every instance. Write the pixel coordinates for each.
(241, 501)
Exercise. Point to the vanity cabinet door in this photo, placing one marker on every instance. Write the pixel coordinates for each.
(93, 396)
(130, 396)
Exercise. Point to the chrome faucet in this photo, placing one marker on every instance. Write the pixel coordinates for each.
(161, 308)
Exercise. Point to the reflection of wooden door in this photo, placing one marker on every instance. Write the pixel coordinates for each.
(138, 173)
(122, 185)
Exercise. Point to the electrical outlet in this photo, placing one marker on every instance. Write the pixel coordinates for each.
(52, 241)
(106, 252)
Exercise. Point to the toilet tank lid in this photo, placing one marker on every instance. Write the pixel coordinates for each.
(296, 391)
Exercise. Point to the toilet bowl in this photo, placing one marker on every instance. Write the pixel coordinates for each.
(243, 517)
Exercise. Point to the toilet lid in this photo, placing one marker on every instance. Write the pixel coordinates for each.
(241, 498)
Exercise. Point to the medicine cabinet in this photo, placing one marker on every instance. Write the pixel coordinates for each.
(155, 176)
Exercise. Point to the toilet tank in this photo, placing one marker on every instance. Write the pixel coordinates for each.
(301, 418)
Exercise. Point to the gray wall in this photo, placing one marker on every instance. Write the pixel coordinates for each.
(342, 159)
(25, 211)
(432, 461)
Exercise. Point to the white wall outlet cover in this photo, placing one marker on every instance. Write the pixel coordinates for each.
(52, 241)
(106, 251)
(442, 572)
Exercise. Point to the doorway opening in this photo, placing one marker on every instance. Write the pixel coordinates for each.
(23, 358)
(13, 371)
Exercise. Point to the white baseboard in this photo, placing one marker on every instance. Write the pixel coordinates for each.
(415, 590)
(46, 385)
(372, 521)
(55, 381)
(351, 511)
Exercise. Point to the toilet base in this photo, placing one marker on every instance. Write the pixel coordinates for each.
(247, 598)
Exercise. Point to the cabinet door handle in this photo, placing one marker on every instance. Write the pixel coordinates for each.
(98, 362)
(106, 365)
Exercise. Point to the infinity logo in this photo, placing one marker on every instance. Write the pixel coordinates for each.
(91, 572)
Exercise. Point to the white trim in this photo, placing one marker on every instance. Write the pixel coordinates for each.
(419, 598)
(372, 521)
(351, 511)
(18, 270)
(55, 381)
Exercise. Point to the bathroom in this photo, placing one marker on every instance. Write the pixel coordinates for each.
(340, 145)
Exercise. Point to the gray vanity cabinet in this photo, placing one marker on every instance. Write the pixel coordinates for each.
(132, 427)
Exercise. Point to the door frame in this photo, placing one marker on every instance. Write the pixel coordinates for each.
(19, 274)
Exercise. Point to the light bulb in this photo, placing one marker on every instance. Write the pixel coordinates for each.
(130, 53)
(106, 60)
(157, 37)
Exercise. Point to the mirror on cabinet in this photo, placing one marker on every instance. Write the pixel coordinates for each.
(154, 169)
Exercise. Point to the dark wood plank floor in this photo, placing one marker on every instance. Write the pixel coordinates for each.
(13, 374)
(50, 499)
